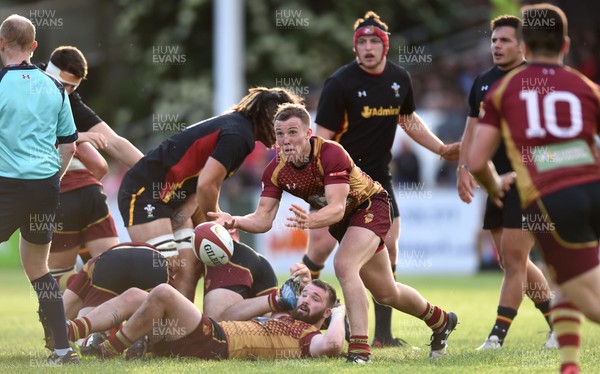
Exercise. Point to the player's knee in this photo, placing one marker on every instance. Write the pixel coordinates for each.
(514, 258)
(344, 270)
(162, 293)
(385, 296)
(134, 293)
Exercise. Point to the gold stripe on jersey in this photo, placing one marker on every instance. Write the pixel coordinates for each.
(280, 165)
(267, 291)
(132, 205)
(344, 129)
(559, 239)
(362, 187)
(105, 290)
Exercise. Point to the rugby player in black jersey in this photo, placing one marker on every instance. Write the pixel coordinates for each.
(187, 170)
(360, 107)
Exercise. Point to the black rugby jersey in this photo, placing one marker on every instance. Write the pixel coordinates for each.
(481, 85)
(363, 111)
(177, 161)
(85, 118)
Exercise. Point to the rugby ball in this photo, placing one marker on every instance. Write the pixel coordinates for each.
(212, 244)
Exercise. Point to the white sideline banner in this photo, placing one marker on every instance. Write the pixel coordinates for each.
(438, 233)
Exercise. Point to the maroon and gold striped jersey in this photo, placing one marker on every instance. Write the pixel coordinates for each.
(548, 116)
(329, 163)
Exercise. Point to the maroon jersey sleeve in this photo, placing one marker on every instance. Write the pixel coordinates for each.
(305, 343)
(268, 188)
(337, 164)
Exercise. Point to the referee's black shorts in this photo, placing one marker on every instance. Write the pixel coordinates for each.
(29, 205)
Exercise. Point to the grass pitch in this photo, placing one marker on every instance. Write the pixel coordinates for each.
(473, 298)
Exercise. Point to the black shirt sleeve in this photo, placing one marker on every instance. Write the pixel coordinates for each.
(331, 108)
(473, 104)
(231, 151)
(408, 106)
(85, 118)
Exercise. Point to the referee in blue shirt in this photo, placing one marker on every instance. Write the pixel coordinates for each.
(35, 117)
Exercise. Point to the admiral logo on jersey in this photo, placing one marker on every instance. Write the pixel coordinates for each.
(369, 112)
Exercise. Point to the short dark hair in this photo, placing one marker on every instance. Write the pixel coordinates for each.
(544, 28)
(71, 60)
(373, 18)
(288, 110)
(332, 299)
(507, 20)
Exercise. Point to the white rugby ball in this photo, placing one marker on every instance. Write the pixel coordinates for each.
(212, 244)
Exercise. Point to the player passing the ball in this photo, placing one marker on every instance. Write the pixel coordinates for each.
(357, 211)
(548, 114)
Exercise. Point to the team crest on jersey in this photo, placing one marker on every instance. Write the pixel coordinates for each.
(396, 87)
(150, 210)
(369, 217)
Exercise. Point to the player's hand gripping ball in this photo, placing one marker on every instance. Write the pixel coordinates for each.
(212, 244)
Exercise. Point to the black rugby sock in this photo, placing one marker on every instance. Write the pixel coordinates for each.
(504, 319)
(51, 304)
(315, 270)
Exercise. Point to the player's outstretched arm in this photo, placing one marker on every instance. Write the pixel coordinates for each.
(332, 342)
(414, 127)
(117, 146)
(258, 222)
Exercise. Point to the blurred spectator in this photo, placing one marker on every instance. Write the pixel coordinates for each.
(406, 168)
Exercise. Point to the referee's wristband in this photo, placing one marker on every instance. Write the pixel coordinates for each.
(462, 166)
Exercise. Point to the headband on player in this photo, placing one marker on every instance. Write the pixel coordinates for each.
(371, 27)
(61, 75)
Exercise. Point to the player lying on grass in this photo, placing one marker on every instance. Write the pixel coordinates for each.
(175, 326)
